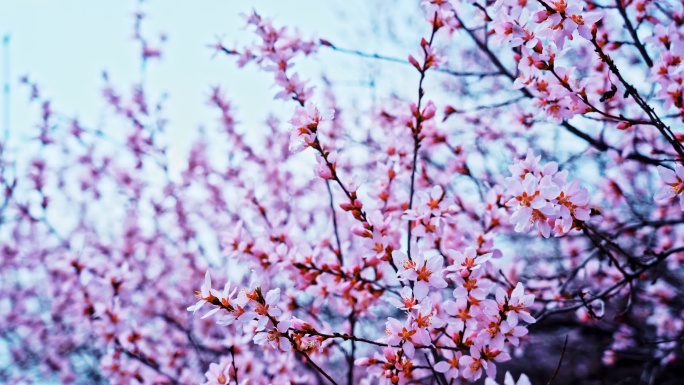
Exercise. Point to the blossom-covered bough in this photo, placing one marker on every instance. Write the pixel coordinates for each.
(514, 205)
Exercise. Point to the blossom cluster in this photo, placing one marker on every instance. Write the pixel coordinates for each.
(275, 53)
(479, 323)
(393, 241)
(543, 199)
(249, 305)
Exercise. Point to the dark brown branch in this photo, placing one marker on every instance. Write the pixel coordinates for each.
(560, 361)
(598, 144)
(335, 228)
(416, 130)
(633, 33)
(630, 90)
(145, 361)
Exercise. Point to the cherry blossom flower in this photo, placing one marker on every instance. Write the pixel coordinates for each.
(226, 300)
(219, 374)
(425, 271)
(463, 315)
(407, 302)
(674, 181)
(542, 197)
(513, 333)
(509, 31)
(305, 123)
(433, 204)
(450, 366)
(532, 202)
(276, 337)
(471, 366)
(424, 320)
(268, 308)
(514, 306)
(481, 358)
(206, 294)
(398, 332)
(468, 261)
(508, 380)
(566, 20)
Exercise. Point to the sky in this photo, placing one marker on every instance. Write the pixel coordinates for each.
(64, 46)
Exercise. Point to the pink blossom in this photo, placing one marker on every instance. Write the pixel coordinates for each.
(206, 294)
(219, 374)
(425, 271)
(463, 315)
(408, 302)
(276, 337)
(398, 332)
(674, 181)
(449, 367)
(514, 307)
(508, 380)
(268, 309)
(305, 123)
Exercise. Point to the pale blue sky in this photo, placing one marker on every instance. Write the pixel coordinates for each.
(65, 45)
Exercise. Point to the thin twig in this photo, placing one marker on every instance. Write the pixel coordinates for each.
(560, 361)
(335, 228)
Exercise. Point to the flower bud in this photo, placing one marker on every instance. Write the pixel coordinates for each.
(540, 16)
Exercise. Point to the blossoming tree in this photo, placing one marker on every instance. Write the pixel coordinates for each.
(519, 212)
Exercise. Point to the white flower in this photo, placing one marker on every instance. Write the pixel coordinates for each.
(674, 184)
(206, 294)
(424, 271)
(275, 337)
(508, 380)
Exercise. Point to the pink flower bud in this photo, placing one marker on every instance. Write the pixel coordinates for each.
(299, 324)
(324, 172)
(346, 206)
(540, 16)
(623, 125)
(360, 231)
(365, 361)
(414, 62)
(325, 43)
(429, 111)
